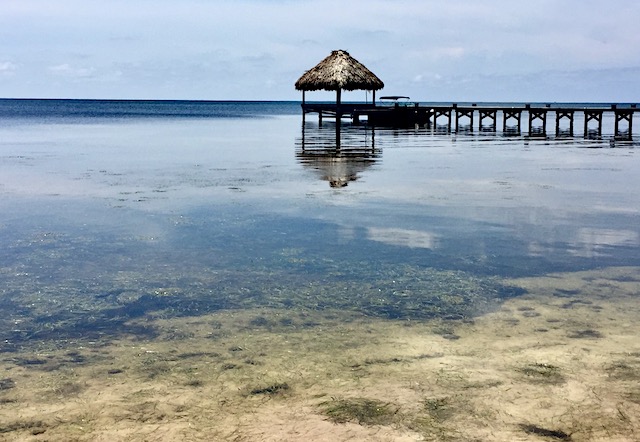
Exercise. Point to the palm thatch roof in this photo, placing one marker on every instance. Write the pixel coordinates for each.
(339, 71)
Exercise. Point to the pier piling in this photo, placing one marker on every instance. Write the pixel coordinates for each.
(537, 114)
(443, 112)
(462, 113)
(620, 116)
(593, 115)
(564, 113)
(508, 114)
(489, 114)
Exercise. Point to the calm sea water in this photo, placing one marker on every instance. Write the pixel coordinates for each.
(117, 210)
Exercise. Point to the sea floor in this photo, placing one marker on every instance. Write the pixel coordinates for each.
(559, 363)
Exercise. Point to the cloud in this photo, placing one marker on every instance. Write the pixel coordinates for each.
(7, 68)
(66, 70)
(449, 52)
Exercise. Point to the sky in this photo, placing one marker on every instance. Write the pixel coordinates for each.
(447, 50)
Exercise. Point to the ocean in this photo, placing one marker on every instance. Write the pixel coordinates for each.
(168, 261)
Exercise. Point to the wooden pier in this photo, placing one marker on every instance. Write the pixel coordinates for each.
(461, 118)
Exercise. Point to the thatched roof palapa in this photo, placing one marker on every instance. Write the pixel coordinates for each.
(339, 71)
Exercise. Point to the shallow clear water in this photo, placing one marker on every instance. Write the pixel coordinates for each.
(106, 207)
(166, 262)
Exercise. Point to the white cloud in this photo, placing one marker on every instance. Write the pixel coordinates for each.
(7, 68)
(449, 52)
(67, 70)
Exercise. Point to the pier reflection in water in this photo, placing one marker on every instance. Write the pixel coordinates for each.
(337, 155)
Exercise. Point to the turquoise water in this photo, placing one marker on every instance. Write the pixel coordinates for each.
(107, 207)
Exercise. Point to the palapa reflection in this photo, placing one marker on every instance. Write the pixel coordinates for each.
(337, 156)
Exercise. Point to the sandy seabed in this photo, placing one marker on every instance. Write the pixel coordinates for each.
(559, 363)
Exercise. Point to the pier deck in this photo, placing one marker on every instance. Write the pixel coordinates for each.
(454, 117)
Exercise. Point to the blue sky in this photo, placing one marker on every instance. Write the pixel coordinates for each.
(456, 50)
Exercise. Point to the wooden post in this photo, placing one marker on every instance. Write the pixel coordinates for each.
(439, 112)
(463, 113)
(304, 111)
(537, 115)
(592, 115)
(564, 113)
(491, 114)
(623, 114)
(338, 117)
(511, 113)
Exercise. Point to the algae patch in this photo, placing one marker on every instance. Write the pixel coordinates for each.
(271, 390)
(542, 373)
(362, 411)
(540, 431)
